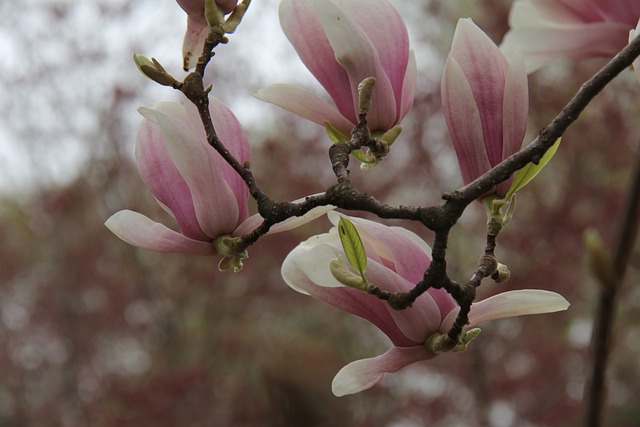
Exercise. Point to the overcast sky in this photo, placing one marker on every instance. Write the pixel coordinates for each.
(62, 60)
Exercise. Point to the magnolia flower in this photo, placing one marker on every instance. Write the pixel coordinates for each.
(545, 30)
(397, 259)
(197, 27)
(192, 182)
(485, 102)
(342, 42)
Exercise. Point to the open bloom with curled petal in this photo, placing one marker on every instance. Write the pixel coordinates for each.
(191, 181)
(342, 42)
(397, 260)
(197, 27)
(545, 30)
(485, 101)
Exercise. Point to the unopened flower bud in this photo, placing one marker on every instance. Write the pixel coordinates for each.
(153, 70)
(502, 274)
(598, 257)
(441, 343)
(365, 91)
(342, 274)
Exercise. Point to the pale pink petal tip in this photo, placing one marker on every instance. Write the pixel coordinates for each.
(364, 374)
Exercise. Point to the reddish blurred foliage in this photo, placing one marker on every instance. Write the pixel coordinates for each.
(96, 332)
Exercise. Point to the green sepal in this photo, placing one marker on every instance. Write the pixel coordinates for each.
(365, 166)
(212, 13)
(527, 173)
(392, 134)
(232, 262)
(494, 205)
(232, 22)
(360, 155)
(227, 246)
(367, 161)
(440, 343)
(334, 133)
(352, 245)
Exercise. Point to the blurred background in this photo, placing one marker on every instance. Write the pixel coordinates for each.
(94, 332)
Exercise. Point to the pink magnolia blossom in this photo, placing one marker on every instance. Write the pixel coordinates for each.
(192, 182)
(485, 102)
(545, 30)
(397, 259)
(342, 42)
(197, 27)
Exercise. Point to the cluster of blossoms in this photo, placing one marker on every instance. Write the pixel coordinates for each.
(342, 42)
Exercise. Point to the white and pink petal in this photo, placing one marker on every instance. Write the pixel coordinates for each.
(302, 27)
(304, 103)
(364, 374)
(163, 179)
(138, 230)
(463, 119)
(511, 304)
(215, 203)
(306, 269)
(359, 57)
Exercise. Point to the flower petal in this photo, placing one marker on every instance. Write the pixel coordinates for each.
(515, 111)
(511, 304)
(540, 46)
(485, 66)
(193, 42)
(289, 224)
(162, 177)
(359, 57)
(386, 30)
(417, 322)
(405, 253)
(408, 87)
(233, 137)
(463, 119)
(363, 374)
(138, 230)
(306, 269)
(215, 203)
(302, 27)
(304, 103)
(516, 303)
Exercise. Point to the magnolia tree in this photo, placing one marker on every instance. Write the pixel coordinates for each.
(195, 159)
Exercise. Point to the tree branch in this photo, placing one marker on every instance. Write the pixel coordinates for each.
(605, 315)
(440, 219)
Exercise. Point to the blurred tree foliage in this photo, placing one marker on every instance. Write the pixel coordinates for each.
(96, 332)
